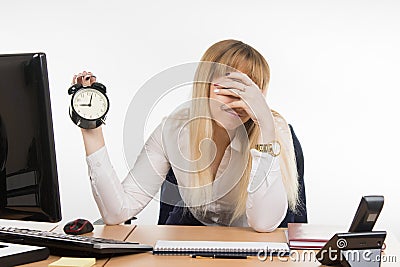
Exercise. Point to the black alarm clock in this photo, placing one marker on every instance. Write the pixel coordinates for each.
(89, 105)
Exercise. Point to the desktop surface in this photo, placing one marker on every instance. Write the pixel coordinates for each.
(149, 234)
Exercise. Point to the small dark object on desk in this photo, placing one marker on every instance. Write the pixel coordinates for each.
(78, 227)
(218, 256)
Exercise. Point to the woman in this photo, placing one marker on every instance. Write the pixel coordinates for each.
(224, 180)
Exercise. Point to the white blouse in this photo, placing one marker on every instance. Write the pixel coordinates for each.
(167, 146)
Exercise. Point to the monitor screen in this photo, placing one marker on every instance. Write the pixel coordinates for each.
(28, 170)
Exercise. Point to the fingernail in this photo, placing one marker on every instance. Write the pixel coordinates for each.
(227, 74)
(216, 90)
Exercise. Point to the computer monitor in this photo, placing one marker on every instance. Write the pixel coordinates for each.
(28, 171)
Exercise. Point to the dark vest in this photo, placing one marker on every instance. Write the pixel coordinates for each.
(174, 212)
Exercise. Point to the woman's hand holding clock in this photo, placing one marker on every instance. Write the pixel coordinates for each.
(85, 78)
(93, 138)
(89, 103)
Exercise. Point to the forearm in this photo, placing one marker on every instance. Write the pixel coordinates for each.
(93, 140)
(267, 200)
(114, 203)
(267, 128)
(120, 201)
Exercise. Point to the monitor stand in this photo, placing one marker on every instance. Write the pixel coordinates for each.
(16, 254)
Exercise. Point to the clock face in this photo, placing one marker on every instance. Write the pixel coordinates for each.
(90, 104)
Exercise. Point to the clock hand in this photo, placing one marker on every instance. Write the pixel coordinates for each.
(87, 105)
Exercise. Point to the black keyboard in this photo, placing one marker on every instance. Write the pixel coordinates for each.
(71, 245)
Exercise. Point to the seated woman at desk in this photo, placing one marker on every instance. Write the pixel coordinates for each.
(239, 162)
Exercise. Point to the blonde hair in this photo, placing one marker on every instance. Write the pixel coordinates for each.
(237, 55)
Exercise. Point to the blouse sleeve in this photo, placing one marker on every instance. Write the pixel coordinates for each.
(267, 200)
(118, 201)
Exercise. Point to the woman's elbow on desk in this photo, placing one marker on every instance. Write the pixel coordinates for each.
(110, 222)
(264, 228)
(266, 223)
(116, 218)
(266, 218)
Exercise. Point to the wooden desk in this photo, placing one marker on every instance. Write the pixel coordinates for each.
(149, 234)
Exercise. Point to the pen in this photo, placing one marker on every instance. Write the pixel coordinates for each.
(217, 256)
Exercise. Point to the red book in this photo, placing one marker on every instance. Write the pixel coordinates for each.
(311, 236)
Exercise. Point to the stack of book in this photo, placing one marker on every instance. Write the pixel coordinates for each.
(311, 236)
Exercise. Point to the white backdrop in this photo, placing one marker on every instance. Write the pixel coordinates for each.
(334, 76)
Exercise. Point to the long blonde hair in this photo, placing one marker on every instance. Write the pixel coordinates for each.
(234, 54)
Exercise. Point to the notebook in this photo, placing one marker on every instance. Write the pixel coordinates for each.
(310, 236)
(176, 247)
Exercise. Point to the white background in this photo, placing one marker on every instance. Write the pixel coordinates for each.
(334, 76)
